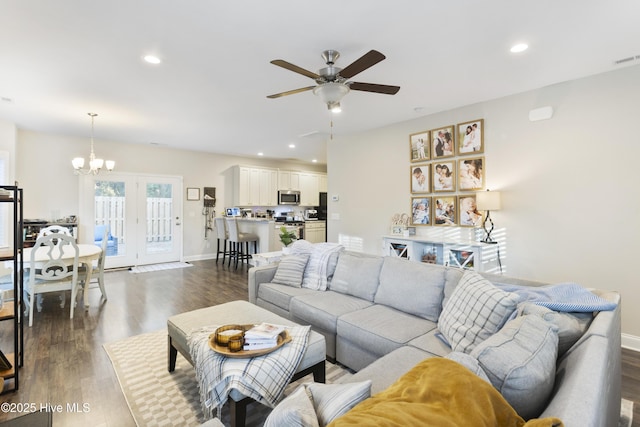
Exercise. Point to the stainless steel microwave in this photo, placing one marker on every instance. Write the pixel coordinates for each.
(288, 197)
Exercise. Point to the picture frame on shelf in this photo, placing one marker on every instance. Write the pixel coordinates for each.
(193, 193)
(471, 173)
(419, 146)
(443, 142)
(468, 213)
(420, 211)
(445, 210)
(420, 178)
(444, 176)
(471, 137)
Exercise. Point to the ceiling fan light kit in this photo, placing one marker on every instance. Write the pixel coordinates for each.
(333, 82)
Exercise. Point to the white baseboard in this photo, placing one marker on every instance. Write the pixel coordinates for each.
(201, 257)
(631, 342)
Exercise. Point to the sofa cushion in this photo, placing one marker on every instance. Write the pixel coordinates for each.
(411, 287)
(381, 329)
(432, 342)
(571, 326)
(520, 361)
(357, 274)
(280, 295)
(296, 410)
(476, 310)
(322, 309)
(334, 400)
(291, 269)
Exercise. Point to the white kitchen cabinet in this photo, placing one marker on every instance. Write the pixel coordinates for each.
(309, 189)
(323, 183)
(288, 180)
(255, 186)
(315, 231)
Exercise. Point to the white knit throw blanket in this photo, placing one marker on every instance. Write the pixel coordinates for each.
(262, 378)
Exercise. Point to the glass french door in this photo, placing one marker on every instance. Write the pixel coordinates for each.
(143, 214)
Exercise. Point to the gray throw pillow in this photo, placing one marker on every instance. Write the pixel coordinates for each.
(571, 326)
(296, 410)
(476, 310)
(333, 400)
(520, 362)
(291, 270)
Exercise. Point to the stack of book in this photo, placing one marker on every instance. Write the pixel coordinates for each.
(262, 336)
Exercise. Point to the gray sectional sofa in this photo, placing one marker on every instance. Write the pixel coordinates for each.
(379, 316)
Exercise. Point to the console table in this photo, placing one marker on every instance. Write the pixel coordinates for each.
(472, 255)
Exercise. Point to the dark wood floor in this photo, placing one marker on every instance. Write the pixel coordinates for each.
(66, 363)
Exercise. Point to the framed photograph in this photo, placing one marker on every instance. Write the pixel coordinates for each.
(419, 146)
(471, 174)
(443, 142)
(468, 213)
(193, 193)
(471, 137)
(420, 178)
(444, 176)
(420, 211)
(445, 210)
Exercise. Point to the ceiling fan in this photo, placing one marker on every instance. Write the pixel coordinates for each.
(333, 82)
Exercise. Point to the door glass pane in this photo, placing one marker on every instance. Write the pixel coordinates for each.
(159, 218)
(109, 202)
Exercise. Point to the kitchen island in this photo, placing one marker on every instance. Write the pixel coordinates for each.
(265, 230)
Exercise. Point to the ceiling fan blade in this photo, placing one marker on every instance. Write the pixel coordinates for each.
(367, 60)
(290, 92)
(289, 66)
(371, 87)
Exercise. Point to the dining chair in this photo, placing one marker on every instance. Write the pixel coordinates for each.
(238, 240)
(97, 269)
(54, 229)
(222, 235)
(53, 274)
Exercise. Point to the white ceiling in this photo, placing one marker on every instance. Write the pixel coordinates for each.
(61, 59)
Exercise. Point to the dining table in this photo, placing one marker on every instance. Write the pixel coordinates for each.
(87, 253)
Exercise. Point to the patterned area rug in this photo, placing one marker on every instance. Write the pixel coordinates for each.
(159, 398)
(158, 267)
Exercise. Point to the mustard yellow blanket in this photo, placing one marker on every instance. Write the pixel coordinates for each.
(438, 392)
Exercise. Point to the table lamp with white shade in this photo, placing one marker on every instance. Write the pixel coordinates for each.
(488, 201)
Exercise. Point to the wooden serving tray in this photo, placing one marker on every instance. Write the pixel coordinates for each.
(283, 338)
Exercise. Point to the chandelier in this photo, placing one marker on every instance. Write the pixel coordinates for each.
(95, 165)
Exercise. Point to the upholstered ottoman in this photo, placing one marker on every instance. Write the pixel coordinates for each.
(241, 312)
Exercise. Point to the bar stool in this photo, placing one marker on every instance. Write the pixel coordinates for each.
(237, 240)
(221, 233)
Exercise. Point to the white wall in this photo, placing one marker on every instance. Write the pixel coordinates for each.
(51, 189)
(569, 185)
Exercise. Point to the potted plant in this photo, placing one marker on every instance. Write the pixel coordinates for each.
(287, 238)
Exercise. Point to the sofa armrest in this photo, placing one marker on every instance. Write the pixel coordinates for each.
(258, 275)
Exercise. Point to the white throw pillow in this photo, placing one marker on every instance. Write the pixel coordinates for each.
(291, 270)
(476, 310)
(296, 410)
(520, 362)
(334, 400)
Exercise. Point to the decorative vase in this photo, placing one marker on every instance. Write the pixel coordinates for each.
(286, 250)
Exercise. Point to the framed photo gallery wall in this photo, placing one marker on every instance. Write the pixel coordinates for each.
(447, 160)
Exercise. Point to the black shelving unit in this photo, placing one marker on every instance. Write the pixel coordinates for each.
(12, 312)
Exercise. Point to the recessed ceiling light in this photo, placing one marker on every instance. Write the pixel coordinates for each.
(151, 59)
(315, 160)
(292, 145)
(261, 154)
(520, 47)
